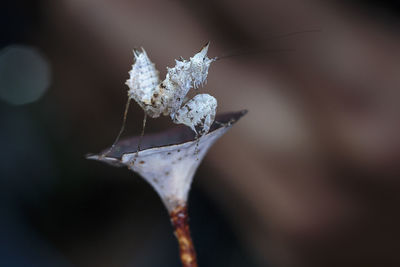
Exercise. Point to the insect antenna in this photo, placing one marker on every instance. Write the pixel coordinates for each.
(255, 51)
(121, 130)
(289, 34)
(252, 52)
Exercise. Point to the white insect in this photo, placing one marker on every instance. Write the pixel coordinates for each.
(169, 96)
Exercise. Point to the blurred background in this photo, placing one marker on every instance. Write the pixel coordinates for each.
(310, 177)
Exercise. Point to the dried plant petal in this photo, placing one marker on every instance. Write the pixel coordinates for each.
(169, 160)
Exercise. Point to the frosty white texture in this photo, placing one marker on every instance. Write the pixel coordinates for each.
(199, 111)
(170, 168)
(143, 82)
(167, 97)
(185, 75)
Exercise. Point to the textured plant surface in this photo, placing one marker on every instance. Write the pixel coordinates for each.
(168, 163)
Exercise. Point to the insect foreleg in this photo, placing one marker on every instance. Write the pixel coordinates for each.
(198, 113)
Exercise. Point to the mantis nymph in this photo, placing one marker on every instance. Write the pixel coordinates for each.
(169, 97)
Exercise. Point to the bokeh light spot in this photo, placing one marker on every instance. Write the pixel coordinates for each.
(24, 74)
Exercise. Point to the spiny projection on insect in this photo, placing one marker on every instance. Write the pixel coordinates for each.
(169, 97)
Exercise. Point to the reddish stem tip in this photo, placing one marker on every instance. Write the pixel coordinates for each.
(180, 222)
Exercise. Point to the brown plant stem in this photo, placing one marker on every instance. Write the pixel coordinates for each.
(180, 222)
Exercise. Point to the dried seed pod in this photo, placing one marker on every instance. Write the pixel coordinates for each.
(168, 163)
(168, 160)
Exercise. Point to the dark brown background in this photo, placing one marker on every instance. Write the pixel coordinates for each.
(310, 177)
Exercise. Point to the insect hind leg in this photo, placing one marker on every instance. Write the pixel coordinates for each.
(140, 139)
(120, 131)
